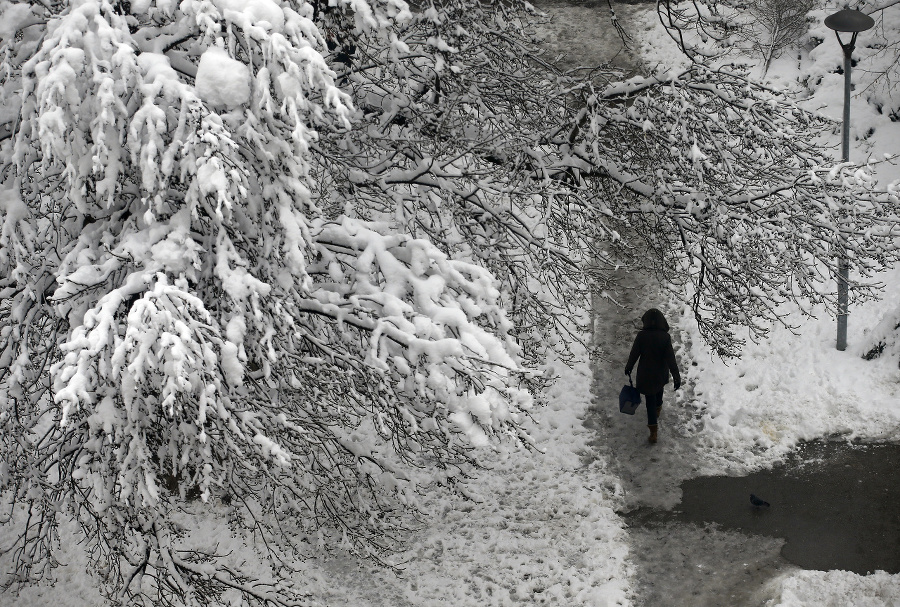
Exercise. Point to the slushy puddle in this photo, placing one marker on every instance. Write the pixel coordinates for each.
(834, 505)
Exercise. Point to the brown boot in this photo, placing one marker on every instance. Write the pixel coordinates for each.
(652, 438)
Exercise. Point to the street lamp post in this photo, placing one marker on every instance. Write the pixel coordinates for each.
(850, 22)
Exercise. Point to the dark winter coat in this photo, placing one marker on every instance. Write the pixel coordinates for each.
(653, 347)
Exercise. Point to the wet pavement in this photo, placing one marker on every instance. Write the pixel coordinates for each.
(835, 505)
(689, 565)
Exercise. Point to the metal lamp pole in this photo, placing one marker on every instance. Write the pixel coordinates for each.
(850, 22)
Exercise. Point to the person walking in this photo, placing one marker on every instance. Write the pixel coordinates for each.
(653, 347)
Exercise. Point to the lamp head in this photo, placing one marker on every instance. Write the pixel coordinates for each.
(849, 21)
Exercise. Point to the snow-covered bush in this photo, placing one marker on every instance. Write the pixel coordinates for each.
(777, 26)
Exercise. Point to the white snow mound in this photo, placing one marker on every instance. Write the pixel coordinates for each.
(838, 589)
(222, 81)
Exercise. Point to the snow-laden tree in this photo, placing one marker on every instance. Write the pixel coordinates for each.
(886, 50)
(776, 27)
(708, 29)
(186, 315)
(705, 178)
(290, 264)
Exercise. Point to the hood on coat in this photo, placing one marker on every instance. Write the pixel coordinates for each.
(653, 319)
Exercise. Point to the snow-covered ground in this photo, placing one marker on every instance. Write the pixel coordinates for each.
(839, 589)
(794, 386)
(542, 530)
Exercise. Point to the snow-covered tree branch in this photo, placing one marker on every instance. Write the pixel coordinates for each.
(186, 317)
(711, 31)
(741, 201)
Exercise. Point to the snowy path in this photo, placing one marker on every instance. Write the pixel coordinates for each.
(679, 564)
(650, 474)
(583, 34)
(675, 564)
(543, 532)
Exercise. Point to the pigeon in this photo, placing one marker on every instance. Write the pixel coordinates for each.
(758, 502)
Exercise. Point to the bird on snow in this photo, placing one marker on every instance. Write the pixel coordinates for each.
(757, 502)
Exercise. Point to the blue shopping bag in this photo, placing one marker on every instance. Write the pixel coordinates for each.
(629, 398)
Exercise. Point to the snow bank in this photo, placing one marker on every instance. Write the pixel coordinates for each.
(838, 589)
(792, 387)
(815, 73)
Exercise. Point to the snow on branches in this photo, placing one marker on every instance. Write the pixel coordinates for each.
(183, 317)
(738, 200)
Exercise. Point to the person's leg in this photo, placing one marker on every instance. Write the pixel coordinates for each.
(654, 402)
